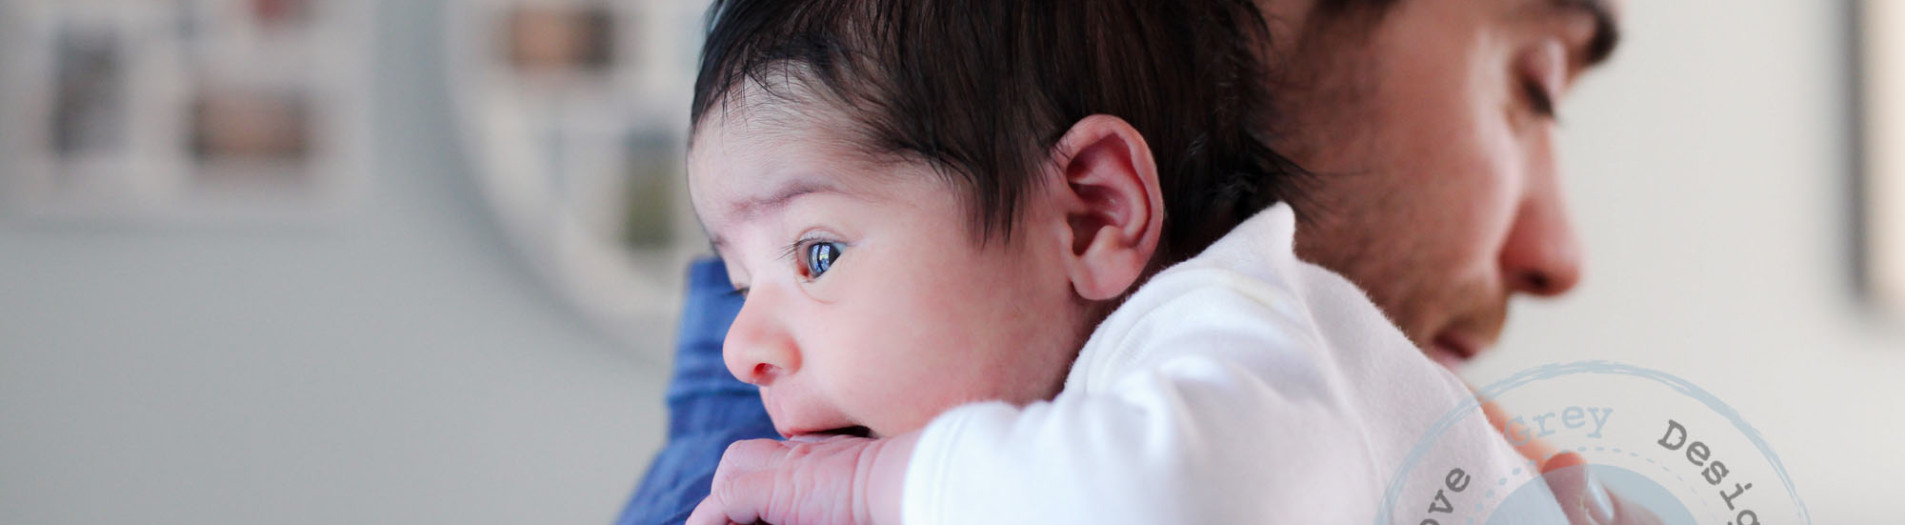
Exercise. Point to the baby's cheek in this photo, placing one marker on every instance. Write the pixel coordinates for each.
(951, 338)
(902, 389)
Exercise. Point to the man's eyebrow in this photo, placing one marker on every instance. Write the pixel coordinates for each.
(1607, 28)
(770, 202)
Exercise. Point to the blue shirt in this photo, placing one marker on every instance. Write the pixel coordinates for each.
(707, 407)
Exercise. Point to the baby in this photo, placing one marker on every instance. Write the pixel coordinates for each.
(938, 212)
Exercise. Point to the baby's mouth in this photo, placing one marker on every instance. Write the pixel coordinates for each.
(854, 431)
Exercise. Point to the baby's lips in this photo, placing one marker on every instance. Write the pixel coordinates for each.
(795, 413)
(816, 438)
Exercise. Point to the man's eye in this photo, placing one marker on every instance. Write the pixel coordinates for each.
(1539, 98)
(820, 257)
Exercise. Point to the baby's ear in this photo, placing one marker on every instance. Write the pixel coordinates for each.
(1113, 207)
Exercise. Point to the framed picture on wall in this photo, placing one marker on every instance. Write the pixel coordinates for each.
(218, 110)
(1882, 186)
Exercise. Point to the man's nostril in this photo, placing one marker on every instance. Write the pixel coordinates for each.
(1540, 283)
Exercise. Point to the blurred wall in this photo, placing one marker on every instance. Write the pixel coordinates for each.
(400, 365)
(1709, 170)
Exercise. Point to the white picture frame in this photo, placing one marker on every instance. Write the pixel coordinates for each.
(184, 111)
(578, 142)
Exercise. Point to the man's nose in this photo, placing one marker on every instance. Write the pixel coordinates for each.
(1542, 256)
(759, 349)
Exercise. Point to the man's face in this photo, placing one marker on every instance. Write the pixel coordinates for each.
(1430, 130)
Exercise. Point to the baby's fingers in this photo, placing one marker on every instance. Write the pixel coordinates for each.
(1585, 500)
(788, 483)
(709, 512)
(744, 484)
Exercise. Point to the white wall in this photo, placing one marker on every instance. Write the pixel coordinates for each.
(399, 366)
(1709, 172)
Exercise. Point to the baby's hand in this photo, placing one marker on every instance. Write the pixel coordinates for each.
(1585, 500)
(835, 481)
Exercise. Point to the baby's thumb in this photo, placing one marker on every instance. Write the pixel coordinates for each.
(1585, 499)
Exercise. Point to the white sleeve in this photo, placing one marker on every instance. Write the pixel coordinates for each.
(1199, 424)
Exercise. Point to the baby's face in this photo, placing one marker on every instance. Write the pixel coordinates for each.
(870, 301)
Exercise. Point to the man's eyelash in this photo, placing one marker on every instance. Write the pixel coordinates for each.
(1538, 97)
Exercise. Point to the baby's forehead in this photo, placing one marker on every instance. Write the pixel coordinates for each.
(740, 160)
(789, 104)
(746, 124)
(745, 149)
(747, 140)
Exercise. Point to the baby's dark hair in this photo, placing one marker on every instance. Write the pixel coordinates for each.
(983, 89)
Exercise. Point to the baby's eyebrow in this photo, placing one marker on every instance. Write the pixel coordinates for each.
(772, 202)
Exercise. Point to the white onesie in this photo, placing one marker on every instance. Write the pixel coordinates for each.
(1241, 386)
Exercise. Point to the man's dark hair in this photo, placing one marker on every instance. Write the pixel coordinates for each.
(983, 89)
(1340, 7)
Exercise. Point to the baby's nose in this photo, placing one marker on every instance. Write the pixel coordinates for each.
(758, 349)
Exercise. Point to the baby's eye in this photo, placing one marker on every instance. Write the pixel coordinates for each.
(820, 257)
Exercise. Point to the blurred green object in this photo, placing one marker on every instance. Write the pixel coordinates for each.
(654, 165)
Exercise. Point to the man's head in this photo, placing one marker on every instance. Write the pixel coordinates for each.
(932, 202)
(1428, 126)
